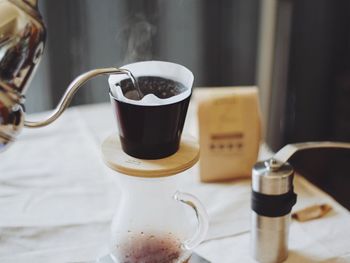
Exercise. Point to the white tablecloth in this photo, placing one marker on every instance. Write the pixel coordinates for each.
(57, 199)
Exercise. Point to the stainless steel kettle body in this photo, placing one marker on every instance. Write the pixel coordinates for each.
(22, 40)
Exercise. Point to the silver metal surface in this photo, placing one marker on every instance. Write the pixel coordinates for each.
(289, 150)
(271, 181)
(70, 92)
(22, 38)
(77, 83)
(195, 258)
(269, 236)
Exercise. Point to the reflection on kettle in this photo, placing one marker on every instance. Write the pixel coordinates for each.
(22, 39)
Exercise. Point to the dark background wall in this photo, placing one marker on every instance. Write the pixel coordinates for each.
(217, 40)
(315, 105)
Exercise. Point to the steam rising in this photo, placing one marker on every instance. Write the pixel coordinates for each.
(137, 37)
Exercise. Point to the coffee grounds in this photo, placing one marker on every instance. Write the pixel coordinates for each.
(160, 87)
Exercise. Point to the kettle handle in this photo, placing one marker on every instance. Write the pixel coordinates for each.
(202, 218)
(283, 155)
(73, 87)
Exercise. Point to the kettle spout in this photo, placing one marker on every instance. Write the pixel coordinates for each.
(73, 87)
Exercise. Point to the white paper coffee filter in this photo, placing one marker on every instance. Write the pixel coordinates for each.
(166, 70)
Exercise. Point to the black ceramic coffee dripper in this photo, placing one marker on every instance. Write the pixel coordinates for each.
(151, 127)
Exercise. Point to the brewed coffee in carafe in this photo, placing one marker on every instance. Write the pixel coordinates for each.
(150, 248)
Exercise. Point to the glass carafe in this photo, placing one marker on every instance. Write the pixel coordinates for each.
(153, 221)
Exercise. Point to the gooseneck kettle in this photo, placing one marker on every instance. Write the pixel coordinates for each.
(22, 41)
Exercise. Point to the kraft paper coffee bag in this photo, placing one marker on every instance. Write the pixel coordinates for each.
(229, 132)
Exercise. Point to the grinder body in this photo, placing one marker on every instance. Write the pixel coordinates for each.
(272, 200)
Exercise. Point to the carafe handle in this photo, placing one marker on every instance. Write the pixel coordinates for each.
(202, 218)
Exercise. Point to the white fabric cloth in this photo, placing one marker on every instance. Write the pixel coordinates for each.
(57, 199)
